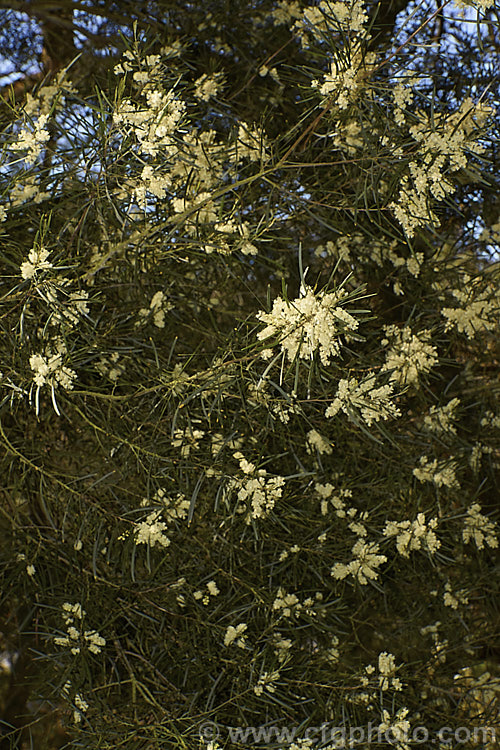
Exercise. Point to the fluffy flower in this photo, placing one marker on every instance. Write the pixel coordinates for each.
(207, 86)
(478, 312)
(317, 442)
(76, 639)
(309, 323)
(441, 473)
(413, 535)
(410, 355)
(364, 564)
(49, 370)
(37, 261)
(235, 635)
(363, 401)
(151, 531)
(441, 418)
(347, 82)
(33, 141)
(479, 528)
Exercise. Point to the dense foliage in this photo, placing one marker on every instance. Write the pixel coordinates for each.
(249, 393)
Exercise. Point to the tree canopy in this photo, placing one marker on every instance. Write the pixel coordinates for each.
(249, 374)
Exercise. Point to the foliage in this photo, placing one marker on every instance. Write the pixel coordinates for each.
(249, 393)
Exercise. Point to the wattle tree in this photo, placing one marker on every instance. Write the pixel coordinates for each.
(249, 374)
